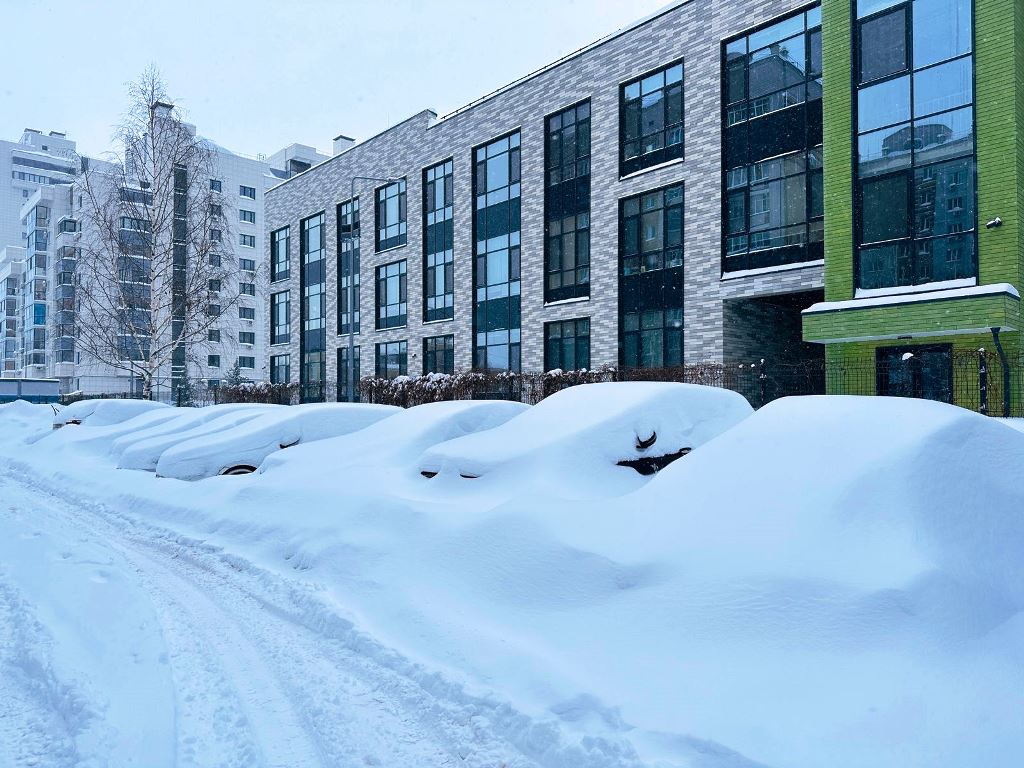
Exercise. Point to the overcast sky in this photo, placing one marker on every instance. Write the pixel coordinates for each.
(256, 75)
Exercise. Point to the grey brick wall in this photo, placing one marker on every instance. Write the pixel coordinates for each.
(692, 31)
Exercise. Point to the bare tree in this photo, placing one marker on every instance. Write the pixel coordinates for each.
(154, 261)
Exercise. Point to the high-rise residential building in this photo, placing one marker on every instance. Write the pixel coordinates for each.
(726, 180)
(41, 223)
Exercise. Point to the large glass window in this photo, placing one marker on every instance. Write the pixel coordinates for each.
(438, 242)
(280, 240)
(343, 373)
(923, 372)
(392, 306)
(651, 119)
(915, 195)
(392, 359)
(391, 215)
(496, 238)
(439, 354)
(348, 265)
(773, 204)
(567, 204)
(280, 369)
(313, 341)
(651, 278)
(567, 345)
(280, 324)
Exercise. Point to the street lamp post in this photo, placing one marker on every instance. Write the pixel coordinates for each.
(352, 283)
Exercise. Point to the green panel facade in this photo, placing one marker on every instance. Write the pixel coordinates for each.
(999, 131)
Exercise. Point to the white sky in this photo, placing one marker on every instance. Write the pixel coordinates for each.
(256, 76)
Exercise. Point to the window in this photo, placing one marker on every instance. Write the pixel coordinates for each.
(348, 264)
(213, 361)
(391, 295)
(915, 209)
(136, 225)
(439, 354)
(651, 119)
(216, 210)
(438, 243)
(213, 335)
(392, 359)
(214, 259)
(247, 289)
(312, 309)
(213, 383)
(247, 265)
(246, 337)
(280, 319)
(280, 369)
(279, 243)
(246, 313)
(567, 204)
(496, 267)
(247, 216)
(343, 374)
(214, 286)
(213, 310)
(923, 372)
(215, 235)
(567, 345)
(391, 215)
(247, 241)
(772, 201)
(651, 279)
(652, 231)
(249, 192)
(215, 185)
(244, 361)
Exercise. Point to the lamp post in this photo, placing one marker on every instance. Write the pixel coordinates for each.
(352, 283)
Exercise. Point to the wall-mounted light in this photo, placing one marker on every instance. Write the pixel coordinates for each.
(996, 222)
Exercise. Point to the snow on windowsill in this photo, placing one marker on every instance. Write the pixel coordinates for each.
(912, 298)
(870, 293)
(560, 302)
(768, 270)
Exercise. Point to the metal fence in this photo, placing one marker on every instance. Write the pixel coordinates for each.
(977, 381)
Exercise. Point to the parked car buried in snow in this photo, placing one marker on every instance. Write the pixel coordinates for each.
(242, 448)
(593, 439)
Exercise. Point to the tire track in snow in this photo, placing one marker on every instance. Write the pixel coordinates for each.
(312, 688)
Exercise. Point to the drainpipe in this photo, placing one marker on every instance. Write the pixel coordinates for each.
(1006, 372)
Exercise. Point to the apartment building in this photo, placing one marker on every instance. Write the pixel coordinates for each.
(727, 180)
(38, 268)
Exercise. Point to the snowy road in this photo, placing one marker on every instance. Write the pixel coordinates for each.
(234, 666)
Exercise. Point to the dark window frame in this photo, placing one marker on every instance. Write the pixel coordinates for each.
(280, 327)
(345, 243)
(666, 153)
(381, 221)
(443, 259)
(910, 242)
(391, 314)
(280, 246)
(578, 333)
(384, 351)
(446, 353)
(567, 196)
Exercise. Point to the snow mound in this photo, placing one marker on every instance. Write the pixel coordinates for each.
(247, 445)
(574, 440)
(101, 413)
(142, 450)
(396, 441)
(99, 438)
(24, 418)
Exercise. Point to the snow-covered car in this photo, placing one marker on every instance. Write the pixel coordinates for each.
(397, 441)
(142, 450)
(593, 439)
(241, 449)
(101, 413)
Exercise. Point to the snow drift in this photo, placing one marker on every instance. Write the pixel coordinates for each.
(250, 443)
(575, 440)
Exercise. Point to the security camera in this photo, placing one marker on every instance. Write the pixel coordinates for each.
(996, 222)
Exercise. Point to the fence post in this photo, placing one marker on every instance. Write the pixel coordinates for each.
(983, 381)
(762, 383)
(1006, 372)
